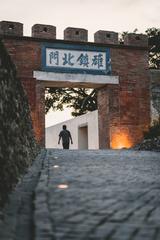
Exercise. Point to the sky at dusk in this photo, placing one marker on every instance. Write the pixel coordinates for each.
(116, 15)
(94, 15)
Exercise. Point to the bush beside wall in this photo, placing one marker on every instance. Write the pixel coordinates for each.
(17, 143)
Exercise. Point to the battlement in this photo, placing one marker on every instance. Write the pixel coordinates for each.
(8, 28)
(136, 39)
(44, 31)
(108, 37)
(11, 28)
(76, 34)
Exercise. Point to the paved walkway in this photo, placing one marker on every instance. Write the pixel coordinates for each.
(86, 195)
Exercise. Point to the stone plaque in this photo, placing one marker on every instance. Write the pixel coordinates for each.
(69, 59)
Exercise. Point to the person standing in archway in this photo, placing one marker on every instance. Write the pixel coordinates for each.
(66, 137)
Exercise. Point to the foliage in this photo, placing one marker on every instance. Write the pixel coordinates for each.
(154, 44)
(154, 63)
(154, 131)
(81, 100)
(123, 34)
(156, 97)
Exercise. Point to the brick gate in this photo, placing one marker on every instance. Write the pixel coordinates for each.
(119, 72)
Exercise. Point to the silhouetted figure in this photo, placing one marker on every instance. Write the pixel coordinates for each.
(66, 137)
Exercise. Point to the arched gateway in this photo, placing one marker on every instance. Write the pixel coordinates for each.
(119, 72)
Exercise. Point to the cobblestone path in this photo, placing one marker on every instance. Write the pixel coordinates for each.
(86, 195)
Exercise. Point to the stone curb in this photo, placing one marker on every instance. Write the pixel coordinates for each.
(43, 226)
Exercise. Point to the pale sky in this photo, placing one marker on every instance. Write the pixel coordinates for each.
(94, 15)
(116, 15)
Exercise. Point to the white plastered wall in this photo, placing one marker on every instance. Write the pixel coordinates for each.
(90, 120)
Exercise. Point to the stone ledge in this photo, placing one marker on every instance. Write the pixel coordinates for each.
(65, 78)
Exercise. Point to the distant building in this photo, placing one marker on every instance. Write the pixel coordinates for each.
(84, 131)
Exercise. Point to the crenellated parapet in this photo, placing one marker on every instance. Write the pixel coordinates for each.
(76, 34)
(136, 39)
(9, 28)
(107, 37)
(44, 31)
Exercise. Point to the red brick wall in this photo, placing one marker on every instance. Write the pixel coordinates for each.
(103, 117)
(124, 109)
(132, 117)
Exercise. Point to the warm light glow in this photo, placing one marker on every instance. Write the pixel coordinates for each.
(62, 186)
(56, 166)
(120, 140)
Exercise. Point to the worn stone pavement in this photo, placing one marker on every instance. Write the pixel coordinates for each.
(86, 195)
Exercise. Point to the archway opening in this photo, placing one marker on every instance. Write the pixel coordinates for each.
(75, 108)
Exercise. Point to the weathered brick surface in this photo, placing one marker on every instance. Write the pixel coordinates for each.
(44, 31)
(11, 28)
(134, 101)
(106, 37)
(124, 108)
(136, 39)
(76, 34)
(104, 117)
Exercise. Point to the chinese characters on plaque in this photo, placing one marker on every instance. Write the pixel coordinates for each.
(76, 59)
